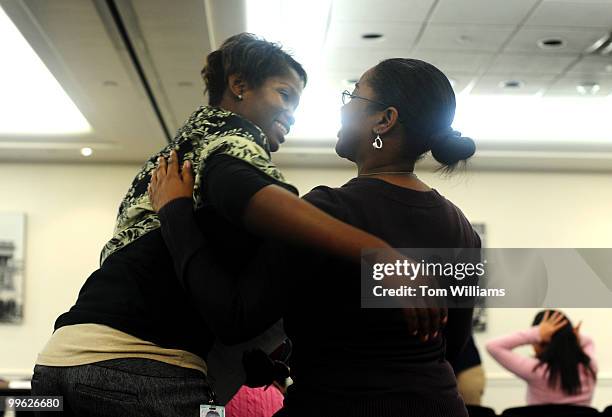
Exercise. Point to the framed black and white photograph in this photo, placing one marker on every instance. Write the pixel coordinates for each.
(12, 239)
(479, 319)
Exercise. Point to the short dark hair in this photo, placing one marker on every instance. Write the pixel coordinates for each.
(425, 101)
(253, 58)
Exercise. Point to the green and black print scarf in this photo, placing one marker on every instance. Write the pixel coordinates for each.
(209, 130)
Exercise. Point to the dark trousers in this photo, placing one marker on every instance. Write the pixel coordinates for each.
(123, 387)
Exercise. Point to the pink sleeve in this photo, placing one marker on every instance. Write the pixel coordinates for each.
(501, 350)
(587, 345)
(254, 402)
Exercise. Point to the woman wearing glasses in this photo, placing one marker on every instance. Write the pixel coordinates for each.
(349, 361)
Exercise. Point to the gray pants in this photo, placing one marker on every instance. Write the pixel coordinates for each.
(123, 387)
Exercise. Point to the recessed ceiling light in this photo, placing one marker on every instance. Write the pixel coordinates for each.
(185, 84)
(511, 84)
(369, 36)
(551, 43)
(86, 152)
(110, 83)
(23, 67)
(588, 88)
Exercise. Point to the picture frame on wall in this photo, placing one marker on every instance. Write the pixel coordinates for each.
(12, 261)
(479, 318)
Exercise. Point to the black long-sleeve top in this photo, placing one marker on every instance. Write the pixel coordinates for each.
(339, 348)
(136, 289)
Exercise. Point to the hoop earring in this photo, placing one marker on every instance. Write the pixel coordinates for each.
(378, 143)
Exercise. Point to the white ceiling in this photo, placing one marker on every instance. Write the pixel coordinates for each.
(135, 88)
(132, 66)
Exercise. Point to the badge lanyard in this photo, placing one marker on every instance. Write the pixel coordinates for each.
(210, 409)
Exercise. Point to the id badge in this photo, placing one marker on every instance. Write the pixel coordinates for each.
(209, 410)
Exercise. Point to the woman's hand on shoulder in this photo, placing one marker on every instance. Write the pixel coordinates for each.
(168, 182)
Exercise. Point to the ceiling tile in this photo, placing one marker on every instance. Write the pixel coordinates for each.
(345, 80)
(581, 1)
(375, 10)
(176, 46)
(572, 14)
(349, 34)
(576, 41)
(358, 60)
(531, 64)
(459, 81)
(342, 80)
(593, 65)
(484, 38)
(484, 12)
(454, 61)
(529, 84)
(567, 86)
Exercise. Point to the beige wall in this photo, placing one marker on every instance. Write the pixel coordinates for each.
(70, 213)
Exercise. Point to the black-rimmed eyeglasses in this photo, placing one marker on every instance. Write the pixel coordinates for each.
(348, 96)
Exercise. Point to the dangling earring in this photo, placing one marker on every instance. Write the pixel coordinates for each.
(239, 97)
(378, 143)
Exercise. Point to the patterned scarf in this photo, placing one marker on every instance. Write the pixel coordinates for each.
(209, 130)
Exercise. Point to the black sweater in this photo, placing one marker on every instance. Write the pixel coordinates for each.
(362, 358)
(136, 289)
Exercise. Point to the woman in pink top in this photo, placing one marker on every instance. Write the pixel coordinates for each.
(563, 371)
(255, 402)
